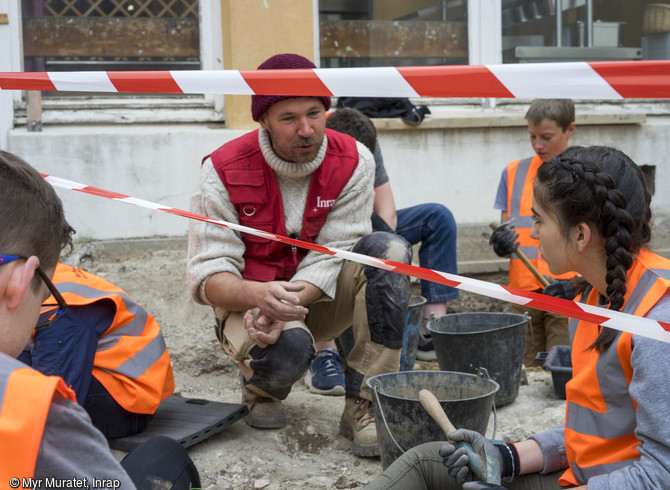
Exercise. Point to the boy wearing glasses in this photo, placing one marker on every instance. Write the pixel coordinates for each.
(44, 433)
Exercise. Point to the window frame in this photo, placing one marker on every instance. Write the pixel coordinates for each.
(134, 109)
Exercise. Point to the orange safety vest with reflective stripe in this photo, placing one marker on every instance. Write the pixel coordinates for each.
(25, 398)
(131, 359)
(600, 422)
(520, 177)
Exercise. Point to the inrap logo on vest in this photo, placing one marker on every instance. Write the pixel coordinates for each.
(324, 203)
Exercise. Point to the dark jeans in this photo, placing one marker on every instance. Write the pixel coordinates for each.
(434, 226)
(111, 418)
(161, 463)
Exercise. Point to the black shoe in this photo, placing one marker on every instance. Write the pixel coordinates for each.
(425, 351)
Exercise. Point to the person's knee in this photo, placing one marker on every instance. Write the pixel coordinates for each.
(384, 245)
(278, 366)
(387, 293)
(440, 216)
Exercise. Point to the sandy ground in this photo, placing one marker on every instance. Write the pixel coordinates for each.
(308, 453)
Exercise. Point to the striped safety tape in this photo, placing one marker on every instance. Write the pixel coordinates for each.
(614, 319)
(574, 80)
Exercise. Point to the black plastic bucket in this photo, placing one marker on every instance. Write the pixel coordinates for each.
(466, 341)
(403, 423)
(410, 337)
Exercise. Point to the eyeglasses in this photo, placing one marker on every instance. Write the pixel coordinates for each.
(47, 317)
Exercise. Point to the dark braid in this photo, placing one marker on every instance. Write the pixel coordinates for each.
(600, 186)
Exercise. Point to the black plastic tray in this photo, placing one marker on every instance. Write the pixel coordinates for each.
(559, 361)
(186, 420)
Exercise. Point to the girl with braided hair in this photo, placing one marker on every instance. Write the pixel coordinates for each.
(591, 212)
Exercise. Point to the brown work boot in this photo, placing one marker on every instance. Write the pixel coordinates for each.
(264, 412)
(358, 424)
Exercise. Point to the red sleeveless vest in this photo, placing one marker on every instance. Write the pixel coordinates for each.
(253, 190)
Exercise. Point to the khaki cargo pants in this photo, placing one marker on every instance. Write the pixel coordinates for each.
(373, 300)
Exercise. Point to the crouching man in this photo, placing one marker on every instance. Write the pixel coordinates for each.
(295, 178)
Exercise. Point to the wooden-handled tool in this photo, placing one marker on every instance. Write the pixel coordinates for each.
(485, 467)
(543, 280)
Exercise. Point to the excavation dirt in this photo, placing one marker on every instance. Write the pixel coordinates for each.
(308, 453)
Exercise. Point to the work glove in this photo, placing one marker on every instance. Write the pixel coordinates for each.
(456, 459)
(564, 288)
(503, 239)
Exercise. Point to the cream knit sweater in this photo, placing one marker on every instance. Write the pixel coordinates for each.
(213, 249)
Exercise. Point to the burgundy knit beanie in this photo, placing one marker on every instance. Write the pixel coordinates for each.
(288, 61)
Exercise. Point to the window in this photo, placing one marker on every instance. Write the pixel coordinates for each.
(67, 35)
(381, 33)
(583, 30)
(108, 35)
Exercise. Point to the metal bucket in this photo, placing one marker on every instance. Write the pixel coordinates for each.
(403, 423)
(466, 341)
(410, 337)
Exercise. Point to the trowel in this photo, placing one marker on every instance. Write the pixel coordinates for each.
(483, 465)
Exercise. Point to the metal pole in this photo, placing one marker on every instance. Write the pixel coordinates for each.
(34, 98)
(559, 23)
(589, 23)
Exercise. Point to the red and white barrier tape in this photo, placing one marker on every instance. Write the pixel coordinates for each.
(615, 319)
(574, 80)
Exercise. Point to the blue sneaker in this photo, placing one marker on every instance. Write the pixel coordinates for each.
(324, 376)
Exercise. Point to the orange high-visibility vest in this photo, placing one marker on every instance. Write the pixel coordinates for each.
(520, 177)
(131, 359)
(600, 422)
(25, 398)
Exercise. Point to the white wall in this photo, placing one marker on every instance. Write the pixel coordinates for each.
(461, 168)
(10, 60)
(151, 162)
(457, 167)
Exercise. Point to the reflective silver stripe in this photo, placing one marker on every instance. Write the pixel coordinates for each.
(646, 282)
(7, 366)
(584, 474)
(148, 355)
(616, 422)
(641, 289)
(530, 252)
(643, 286)
(523, 222)
(572, 328)
(133, 328)
(664, 273)
(517, 189)
(6, 370)
(574, 322)
(619, 420)
(137, 365)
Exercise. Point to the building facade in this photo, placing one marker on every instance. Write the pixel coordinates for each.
(150, 146)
